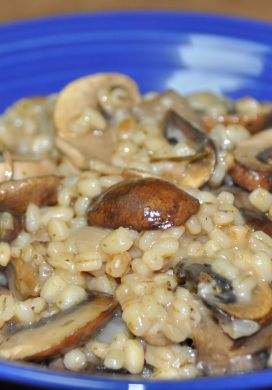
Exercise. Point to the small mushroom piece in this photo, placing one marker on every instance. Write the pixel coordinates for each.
(212, 346)
(252, 165)
(23, 168)
(15, 195)
(257, 221)
(8, 234)
(142, 205)
(197, 273)
(59, 333)
(258, 309)
(23, 278)
(198, 167)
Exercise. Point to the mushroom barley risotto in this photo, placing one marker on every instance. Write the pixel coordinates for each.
(136, 231)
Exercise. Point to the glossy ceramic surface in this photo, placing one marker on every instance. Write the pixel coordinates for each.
(159, 50)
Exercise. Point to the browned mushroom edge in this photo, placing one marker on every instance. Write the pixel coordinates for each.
(252, 162)
(142, 205)
(60, 332)
(221, 297)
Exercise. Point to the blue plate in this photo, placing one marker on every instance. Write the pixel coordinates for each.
(159, 50)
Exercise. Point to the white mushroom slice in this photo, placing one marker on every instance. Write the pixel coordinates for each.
(60, 332)
(83, 133)
(84, 94)
(21, 169)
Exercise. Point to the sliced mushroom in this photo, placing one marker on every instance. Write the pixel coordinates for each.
(59, 333)
(23, 278)
(23, 168)
(217, 354)
(212, 346)
(257, 221)
(142, 205)
(15, 195)
(83, 131)
(221, 297)
(258, 309)
(90, 92)
(195, 169)
(252, 166)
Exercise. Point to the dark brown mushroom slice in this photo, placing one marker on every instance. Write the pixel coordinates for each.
(59, 333)
(257, 220)
(250, 169)
(15, 195)
(142, 204)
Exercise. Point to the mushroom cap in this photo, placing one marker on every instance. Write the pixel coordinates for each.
(142, 204)
(250, 170)
(82, 93)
